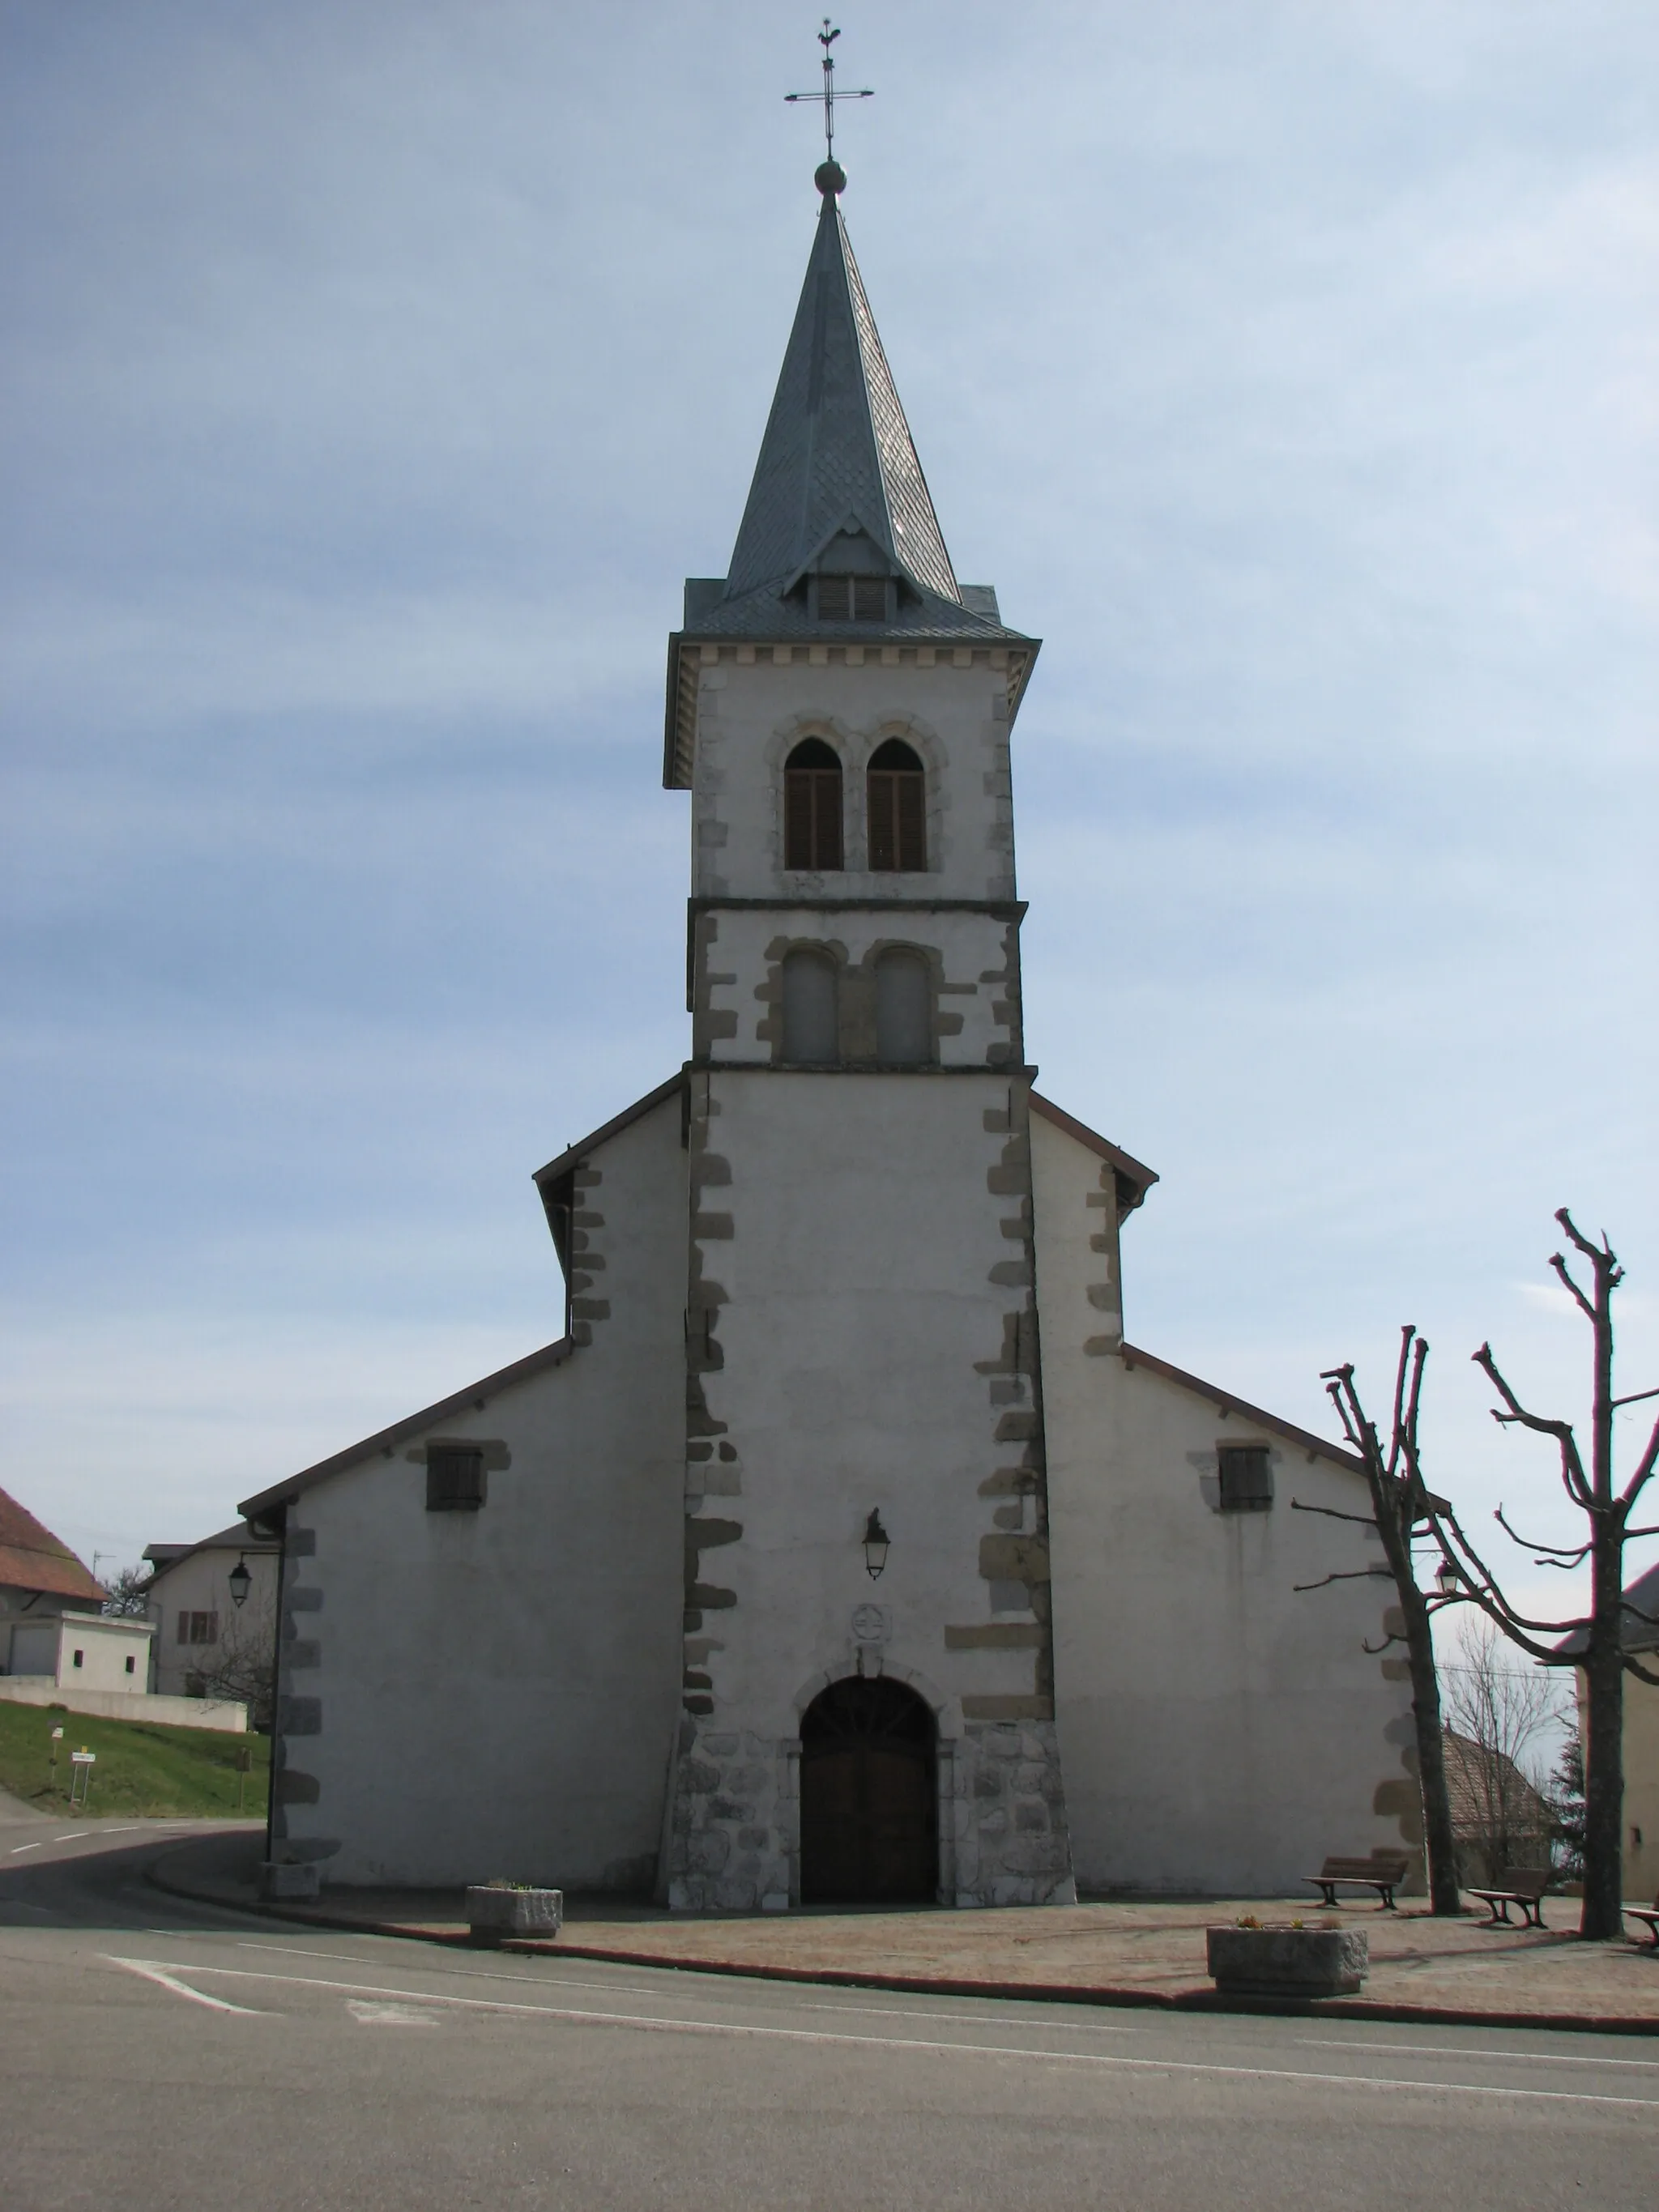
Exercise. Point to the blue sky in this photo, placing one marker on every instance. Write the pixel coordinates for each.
(372, 376)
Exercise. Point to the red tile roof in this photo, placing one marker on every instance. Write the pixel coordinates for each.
(32, 1559)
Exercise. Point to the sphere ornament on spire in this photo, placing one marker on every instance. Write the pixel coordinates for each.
(830, 179)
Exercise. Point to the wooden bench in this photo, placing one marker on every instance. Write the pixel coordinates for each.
(1522, 1885)
(1382, 1871)
(1650, 1915)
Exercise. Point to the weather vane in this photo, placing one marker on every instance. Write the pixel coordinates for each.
(829, 96)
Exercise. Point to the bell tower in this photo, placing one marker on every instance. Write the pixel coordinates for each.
(861, 1719)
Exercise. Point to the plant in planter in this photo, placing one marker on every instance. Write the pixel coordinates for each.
(500, 1909)
(1254, 1961)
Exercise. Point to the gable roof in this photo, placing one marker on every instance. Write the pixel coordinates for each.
(239, 1537)
(474, 1397)
(1226, 1402)
(32, 1559)
(1133, 1178)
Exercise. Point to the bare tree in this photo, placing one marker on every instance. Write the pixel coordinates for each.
(242, 1668)
(1497, 1712)
(1401, 1504)
(127, 1594)
(1596, 1641)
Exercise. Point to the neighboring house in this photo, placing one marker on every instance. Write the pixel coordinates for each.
(39, 1575)
(1641, 1810)
(100, 1653)
(842, 1548)
(1499, 1818)
(214, 1635)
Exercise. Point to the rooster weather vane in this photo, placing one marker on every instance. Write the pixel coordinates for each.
(827, 98)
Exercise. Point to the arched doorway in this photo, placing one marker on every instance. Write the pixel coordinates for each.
(869, 1832)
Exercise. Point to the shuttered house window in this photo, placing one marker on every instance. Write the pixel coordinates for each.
(811, 807)
(199, 1628)
(1247, 1482)
(454, 1478)
(898, 810)
(852, 599)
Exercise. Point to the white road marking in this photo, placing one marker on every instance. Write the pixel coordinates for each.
(741, 2028)
(151, 1973)
(75, 1836)
(389, 2016)
(131, 1829)
(1455, 2050)
(26, 1847)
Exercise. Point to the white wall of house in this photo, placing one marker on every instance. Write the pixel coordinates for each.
(195, 1592)
(1219, 1730)
(85, 1651)
(469, 1694)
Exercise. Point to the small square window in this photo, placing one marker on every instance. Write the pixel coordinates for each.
(203, 1627)
(79, 1656)
(1247, 1482)
(454, 1478)
(132, 1666)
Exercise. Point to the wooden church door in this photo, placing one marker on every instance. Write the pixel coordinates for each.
(868, 1795)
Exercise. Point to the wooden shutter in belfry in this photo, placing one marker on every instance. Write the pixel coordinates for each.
(898, 820)
(798, 818)
(811, 806)
(912, 828)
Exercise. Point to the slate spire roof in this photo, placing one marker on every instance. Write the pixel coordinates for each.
(837, 446)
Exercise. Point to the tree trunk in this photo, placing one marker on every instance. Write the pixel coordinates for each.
(1602, 1919)
(1438, 1842)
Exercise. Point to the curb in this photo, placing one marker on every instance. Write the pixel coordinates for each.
(943, 1985)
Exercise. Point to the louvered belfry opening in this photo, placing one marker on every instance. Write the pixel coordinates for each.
(852, 599)
(811, 807)
(898, 810)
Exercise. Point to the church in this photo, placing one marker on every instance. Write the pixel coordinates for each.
(840, 1549)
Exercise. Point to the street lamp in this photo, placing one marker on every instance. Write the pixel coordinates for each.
(876, 1540)
(240, 1582)
(1449, 1577)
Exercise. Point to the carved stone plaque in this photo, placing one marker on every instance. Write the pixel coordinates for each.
(869, 1624)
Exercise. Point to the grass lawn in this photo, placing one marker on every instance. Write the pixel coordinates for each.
(142, 1768)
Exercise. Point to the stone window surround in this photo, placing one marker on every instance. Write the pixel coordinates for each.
(855, 1000)
(854, 749)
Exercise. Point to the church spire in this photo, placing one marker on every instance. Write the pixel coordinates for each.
(837, 453)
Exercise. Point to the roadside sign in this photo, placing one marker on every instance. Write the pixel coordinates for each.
(82, 1763)
(83, 1758)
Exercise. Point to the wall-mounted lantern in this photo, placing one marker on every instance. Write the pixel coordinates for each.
(876, 1540)
(240, 1582)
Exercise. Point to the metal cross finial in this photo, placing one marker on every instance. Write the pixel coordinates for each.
(829, 95)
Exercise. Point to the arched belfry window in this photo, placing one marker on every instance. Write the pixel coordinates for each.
(898, 809)
(905, 1011)
(811, 806)
(812, 1032)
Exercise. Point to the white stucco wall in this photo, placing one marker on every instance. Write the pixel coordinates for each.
(1219, 1730)
(103, 1645)
(860, 1302)
(469, 1694)
(753, 707)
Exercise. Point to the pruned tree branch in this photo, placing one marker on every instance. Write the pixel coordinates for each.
(1373, 1648)
(1569, 1553)
(1362, 1520)
(1357, 1575)
(1573, 1477)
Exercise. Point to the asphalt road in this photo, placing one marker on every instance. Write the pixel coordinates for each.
(162, 2056)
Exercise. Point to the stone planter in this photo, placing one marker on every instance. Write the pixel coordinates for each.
(280, 1881)
(1287, 1962)
(494, 1914)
